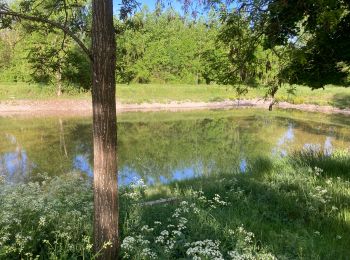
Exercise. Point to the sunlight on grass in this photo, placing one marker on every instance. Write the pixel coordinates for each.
(150, 93)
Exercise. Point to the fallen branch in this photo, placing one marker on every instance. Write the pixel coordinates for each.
(157, 202)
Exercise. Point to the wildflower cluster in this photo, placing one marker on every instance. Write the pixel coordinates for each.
(318, 201)
(165, 238)
(206, 249)
(134, 192)
(245, 246)
(50, 218)
(316, 171)
(137, 247)
(213, 203)
(174, 238)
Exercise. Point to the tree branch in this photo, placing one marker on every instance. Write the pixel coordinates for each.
(49, 22)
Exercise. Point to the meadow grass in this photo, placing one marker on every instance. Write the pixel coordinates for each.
(21, 90)
(281, 208)
(162, 93)
(295, 209)
(331, 95)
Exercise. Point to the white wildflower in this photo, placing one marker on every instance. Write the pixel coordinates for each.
(42, 221)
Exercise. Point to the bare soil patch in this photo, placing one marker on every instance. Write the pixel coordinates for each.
(71, 107)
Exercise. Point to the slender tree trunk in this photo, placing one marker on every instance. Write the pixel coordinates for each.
(59, 82)
(104, 130)
(270, 106)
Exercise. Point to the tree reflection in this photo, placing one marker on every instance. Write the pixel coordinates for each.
(160, 150)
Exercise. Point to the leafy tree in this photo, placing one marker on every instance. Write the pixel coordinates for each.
(51, 56)
(49, 62)
(13, 57)
(323, 56)
(244, 62)
(315, 32)
(56, 60)
(318, 59)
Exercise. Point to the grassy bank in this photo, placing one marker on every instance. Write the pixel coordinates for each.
(335, 96)
(295, 207)
(332, 95)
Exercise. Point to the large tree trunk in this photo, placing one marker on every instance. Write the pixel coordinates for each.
(104, 130)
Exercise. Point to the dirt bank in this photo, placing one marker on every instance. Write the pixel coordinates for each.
(73, 107)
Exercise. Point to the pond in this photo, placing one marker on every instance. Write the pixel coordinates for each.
(160, 147)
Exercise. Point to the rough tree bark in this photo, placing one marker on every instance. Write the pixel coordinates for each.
(104, 130)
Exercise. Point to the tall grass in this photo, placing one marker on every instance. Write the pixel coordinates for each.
(14, 91)
(335, 165)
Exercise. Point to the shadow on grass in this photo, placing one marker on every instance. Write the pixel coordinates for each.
(279, 204)
(341, 101)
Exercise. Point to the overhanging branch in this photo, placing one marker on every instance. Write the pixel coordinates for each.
(52, 23)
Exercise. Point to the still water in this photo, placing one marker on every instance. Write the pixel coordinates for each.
(163, 146)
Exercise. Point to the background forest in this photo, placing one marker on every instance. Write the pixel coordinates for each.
(163, 46)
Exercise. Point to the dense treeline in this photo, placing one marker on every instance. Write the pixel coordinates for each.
(152, 48)
(224, 46)
(165, 48)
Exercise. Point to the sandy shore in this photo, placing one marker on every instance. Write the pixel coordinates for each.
(73, 107)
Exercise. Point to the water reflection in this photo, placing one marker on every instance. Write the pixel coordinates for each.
(160, 151)
(243, 165)
(81, 163)
(284, 142)
(187, 173)
(328, 147)
(128, 176)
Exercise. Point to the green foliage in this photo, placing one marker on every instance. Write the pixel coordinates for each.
(318, 32)
(164, 48)
(37, 52)
(336, 165)
(314, 33)
(14, 66)
(56, 60)
(180, 235)
(241, 43)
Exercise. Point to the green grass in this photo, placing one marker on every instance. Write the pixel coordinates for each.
(288, 208)
(295, 209)
(148, 93)
(331, 95)
(13, 91)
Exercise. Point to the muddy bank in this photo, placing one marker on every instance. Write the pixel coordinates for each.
(67, 107)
